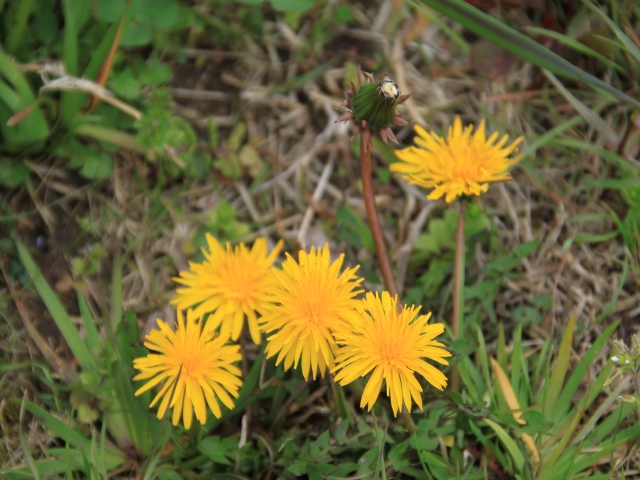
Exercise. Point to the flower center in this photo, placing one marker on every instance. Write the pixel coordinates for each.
(388, 350)
(240, 282)
(192, 361)
(315, 310)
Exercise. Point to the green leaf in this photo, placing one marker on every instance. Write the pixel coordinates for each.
(136, 33)
(13, 172)
(353, 229)
(536, 423)
(109, 10)
(165, 473)
(525, 315)
(125, 84)
(517, 43)
(93, 165)
(292, 5)
(424, 438)
(153, 72)
(220, 451)
(161, 13)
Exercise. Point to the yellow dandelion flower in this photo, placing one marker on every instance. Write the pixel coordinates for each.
(463, 164)
(310, 302)
(393, 345)
(232, 283)
(201, 364)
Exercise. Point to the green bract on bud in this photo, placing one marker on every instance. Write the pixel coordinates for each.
(375, 104)
(372, 107)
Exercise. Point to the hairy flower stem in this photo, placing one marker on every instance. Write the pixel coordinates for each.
(457, 323)
(381, 248)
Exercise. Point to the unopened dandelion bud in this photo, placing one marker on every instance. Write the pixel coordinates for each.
(376, 103)
(372, 107)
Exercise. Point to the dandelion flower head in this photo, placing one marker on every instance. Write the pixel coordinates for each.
(311, 301)
(230, 282)
(464, 163)
(392, 346)
(199, 366)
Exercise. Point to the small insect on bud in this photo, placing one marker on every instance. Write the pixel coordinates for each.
(389, 90)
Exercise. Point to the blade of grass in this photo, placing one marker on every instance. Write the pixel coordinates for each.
(563, 403)
(589, 115)
(600, 412)
(491, 447)
(466, 49)
(127, 411)
(482, 357)
(14, 76)
(90, 331)
(559, 369)
(544, 360)
(71, 101)
(105, 69)
(58, 313)
(612, 157)
(609, 424)
(632, 48)
(472, 379)
(113, 457)
(555, 449)
(514, 406)
(26, 450)
(115, 137)
(507, 390)
(576, 45)
(54, 361)
(102, 51)
(15, 34)
(595, 388)
(614, 298)
(612, 183)
(516, 362)
(509, 443)
(34, 126)
(588, 461)
(116, 292)
(517, 43)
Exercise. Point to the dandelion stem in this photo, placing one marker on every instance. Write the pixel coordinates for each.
(374, 221)
(381, 248)
(457, 323)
